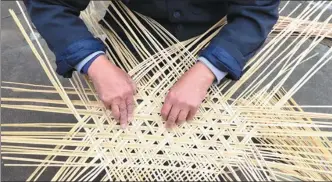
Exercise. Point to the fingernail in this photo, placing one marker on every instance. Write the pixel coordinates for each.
(169, 127)
(123, 126)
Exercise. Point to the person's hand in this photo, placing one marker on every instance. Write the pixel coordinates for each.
(115, 88)
(184, 98)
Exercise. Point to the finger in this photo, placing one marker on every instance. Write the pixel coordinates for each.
(166, 109)
(182, 116)
(191, 114)
(172, 117)
(123, 114)
(130, 107)
(115, 111)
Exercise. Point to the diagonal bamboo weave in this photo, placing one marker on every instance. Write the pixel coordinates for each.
(248, 130)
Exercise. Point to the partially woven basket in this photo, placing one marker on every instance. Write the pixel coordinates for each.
(251, 129)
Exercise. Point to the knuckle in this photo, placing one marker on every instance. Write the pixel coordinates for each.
(122, 95)
(123, 119)
(171, 118)
(105, 98)
(182, 103)
(127, 91)
(171, 95)
(130, 107)
(192, 105)
(166, 103)
(116, 115)
(115, 99)
(130, 110)
(129, 88)
(130, 104)
(122, 108)
(163, 113)
(176, 101)
(181, 119)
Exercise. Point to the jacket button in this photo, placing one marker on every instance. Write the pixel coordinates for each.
(177, 14)
(179, 28)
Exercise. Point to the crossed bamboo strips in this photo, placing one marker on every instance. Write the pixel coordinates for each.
(251, 129)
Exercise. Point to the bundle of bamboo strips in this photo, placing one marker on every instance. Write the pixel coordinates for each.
(248, 130)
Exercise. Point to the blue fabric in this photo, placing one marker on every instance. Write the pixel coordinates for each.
(75, 53)
(249, 22)
(222, 60)
(67, 36)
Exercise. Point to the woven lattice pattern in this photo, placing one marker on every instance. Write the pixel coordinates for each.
(248, 130)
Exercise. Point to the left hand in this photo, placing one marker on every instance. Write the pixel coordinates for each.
(184, 98)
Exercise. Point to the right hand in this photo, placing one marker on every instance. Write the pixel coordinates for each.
(115, 88)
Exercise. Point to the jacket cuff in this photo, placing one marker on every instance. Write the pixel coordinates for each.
(83, 66)
(75, 53)
(226, 57)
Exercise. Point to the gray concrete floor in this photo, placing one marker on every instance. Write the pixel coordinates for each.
(19, 65)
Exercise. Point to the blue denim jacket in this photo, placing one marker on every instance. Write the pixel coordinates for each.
(249, 23)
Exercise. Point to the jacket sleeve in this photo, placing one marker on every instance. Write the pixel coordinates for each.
(66, 34)
(249, 23)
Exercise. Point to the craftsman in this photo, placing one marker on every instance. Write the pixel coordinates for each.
(76, 49)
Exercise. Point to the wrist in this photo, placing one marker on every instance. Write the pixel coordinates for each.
(219, 75)
(99, 63)
(83, 66)
(205, 73)
(90, 58)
